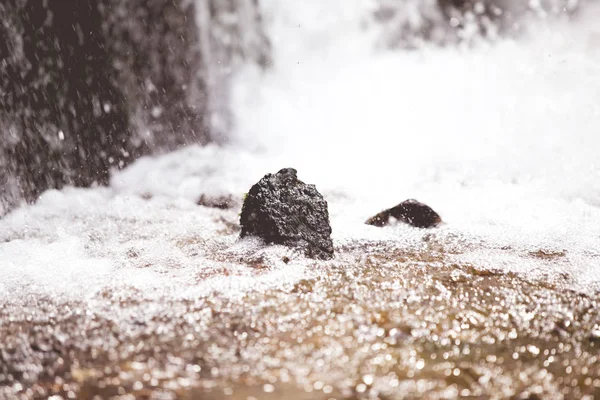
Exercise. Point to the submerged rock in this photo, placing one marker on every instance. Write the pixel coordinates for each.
(410, 212)
(281, 209)
(224, 202)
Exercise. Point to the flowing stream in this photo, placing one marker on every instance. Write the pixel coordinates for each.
(135, 290)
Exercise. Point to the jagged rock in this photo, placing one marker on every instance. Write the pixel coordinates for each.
(410, 212)
(281, 209)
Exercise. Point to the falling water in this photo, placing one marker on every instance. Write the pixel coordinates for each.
(231, 35)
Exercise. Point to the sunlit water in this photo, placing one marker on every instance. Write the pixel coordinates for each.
(136, 289)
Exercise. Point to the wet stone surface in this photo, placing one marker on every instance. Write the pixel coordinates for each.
(281, 209)
(411, 212)
(222, 202)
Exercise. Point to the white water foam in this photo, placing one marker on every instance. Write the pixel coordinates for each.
(501, 139)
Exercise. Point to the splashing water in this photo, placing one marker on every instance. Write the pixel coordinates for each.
(135, 289)
(499, 139)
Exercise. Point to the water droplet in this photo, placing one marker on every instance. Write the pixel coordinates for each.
(268, 388)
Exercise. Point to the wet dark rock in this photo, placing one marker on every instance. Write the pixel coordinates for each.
(63, 116)
(410, 212)
(166, 96)
(221, 202)
(281, 209)
(89, 88)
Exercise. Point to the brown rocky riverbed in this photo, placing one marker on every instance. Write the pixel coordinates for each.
(382, 320)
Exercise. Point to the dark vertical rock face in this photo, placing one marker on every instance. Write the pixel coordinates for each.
(283, 210)
(89, 85)
(155, 49)
(174, 58)
(63, 117)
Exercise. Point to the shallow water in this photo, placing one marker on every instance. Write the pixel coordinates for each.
(134, 290)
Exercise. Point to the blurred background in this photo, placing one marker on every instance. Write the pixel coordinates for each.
(88, 87)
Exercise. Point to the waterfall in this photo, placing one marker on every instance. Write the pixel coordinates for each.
(89, 89)
(231, 34)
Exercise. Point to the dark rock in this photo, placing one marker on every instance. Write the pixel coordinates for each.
(222, 202)
(166, 95)
(281, 209)
(88, 87)
(63, 117)
(410, 212)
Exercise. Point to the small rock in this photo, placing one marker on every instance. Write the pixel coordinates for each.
(410, 212)
(280, 209)
(222, 202)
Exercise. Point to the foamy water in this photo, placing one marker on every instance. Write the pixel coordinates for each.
(500, 139)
